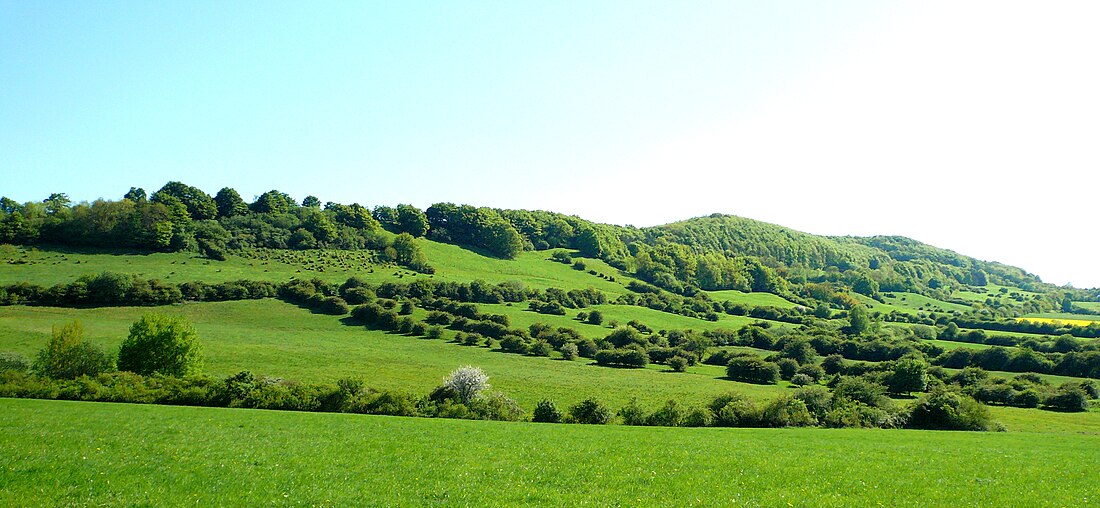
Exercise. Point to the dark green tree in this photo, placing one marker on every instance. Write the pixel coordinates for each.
(229, 203)
(161, 344)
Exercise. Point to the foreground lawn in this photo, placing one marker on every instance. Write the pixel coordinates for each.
(71, 453)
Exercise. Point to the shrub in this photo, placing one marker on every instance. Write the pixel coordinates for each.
(569, 351)
(418, 328)
(669, 415)
(471, 339)
(14, 361)
(587, 348)
(590, 411)
(546, 412)
(466, 382)
(632, 413)
(734, 410)
(1067, 398)
(815, 372)
(864, 391)
(752, 369)
(678, 364)
(787, 368)
(787, 412)
(622, 358)
(68, 356)
(801, 379)
(594, 318)
(944, 410)
(833, 364)
(698, 417)
(334, 306)
(540, 348)
(434, 332)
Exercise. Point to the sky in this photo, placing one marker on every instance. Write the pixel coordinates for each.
(972, 126)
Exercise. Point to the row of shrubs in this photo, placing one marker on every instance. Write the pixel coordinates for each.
(813, 406)
(806, 407)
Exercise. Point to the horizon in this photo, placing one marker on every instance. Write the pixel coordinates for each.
(967, 127)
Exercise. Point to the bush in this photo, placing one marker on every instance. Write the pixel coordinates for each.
(434, 332)
(944, 410)
(587, 348)
(334, 306)
(590, 411)
(815, 372)
(622, 358)
(1067, 398)
(787, 412)
(787, 368)
(14, 361)
(68, 356)
(546, 412)
(669, 415)
(734, 410)
(540, 348)
(594, 318)
(569, 351)
(801, 379)
(466, 382)
(752, 369)
(632, 413)
(678, 363)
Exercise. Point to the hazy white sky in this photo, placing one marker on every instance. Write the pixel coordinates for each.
(973, 126)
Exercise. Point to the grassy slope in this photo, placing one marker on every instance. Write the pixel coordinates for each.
(49, 266)
(767, 299)
(277, 339)
(128, 454)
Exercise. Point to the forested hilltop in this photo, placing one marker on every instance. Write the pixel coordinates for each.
(717, 252)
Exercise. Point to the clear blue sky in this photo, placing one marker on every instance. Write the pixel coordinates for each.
(969, 126)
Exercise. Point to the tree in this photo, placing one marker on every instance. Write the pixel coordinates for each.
(311, 202)
(68, 356)
(273, 201)
(200, 206)
(909, 375)
(411, 220)
(467, 383)
(161, 344)
(229, 203)
(858, 320)
(594, 318)
(136, 194)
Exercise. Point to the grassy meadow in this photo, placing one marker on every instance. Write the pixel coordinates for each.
(163, 455)
(274, 338)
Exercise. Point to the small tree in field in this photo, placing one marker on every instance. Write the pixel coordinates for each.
(163, 344)
(68, 356)
(467, 383)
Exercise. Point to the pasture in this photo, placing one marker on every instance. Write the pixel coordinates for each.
(163, 455)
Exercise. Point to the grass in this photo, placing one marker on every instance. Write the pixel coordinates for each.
(621, 314)
(47, 266)
(278, 339)
(161, 455)
(912, 303)
(1093, 306)
(761, 299)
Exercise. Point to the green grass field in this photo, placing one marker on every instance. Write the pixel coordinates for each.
(910, 303)
(162, 455)
(278, 339)
(763, 299)
(50, 266)
(1093, 306)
